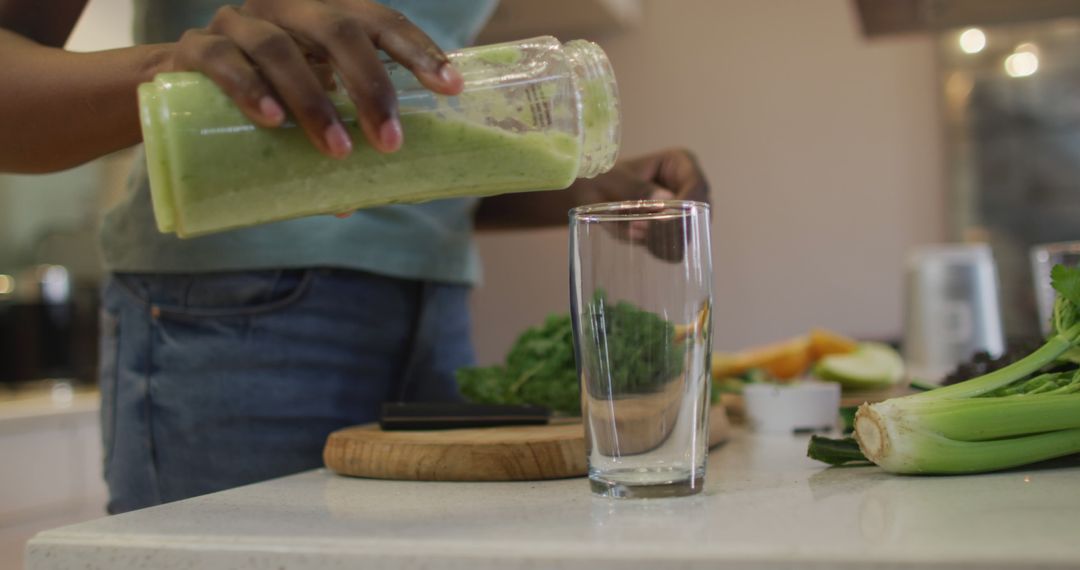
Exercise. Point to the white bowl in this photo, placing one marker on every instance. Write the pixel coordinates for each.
(779, 408)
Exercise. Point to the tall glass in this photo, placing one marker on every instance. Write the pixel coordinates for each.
(641, 301)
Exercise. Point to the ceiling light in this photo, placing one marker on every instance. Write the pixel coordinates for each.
(972, 40)
(1021, 64)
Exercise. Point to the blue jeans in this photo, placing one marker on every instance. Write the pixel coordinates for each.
(213, 381)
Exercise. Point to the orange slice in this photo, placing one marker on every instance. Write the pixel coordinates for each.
(824, 342)
(784, 360)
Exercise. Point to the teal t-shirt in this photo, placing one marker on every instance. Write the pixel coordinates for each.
(431, 241)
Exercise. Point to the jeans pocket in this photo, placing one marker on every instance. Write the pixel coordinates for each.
(236, 294)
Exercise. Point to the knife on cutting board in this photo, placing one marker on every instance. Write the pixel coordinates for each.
(452, 415)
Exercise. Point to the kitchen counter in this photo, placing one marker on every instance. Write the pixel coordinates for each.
(50, 462)
(766, 506)
(46, 403)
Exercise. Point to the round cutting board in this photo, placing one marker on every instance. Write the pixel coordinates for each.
(512, 453)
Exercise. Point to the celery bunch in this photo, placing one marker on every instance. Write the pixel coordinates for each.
(1006, 418)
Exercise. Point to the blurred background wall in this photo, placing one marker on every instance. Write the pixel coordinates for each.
(824, 150)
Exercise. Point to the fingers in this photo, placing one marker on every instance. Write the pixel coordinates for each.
(325, 74)
(342, 37)
(271, 55)
(286, 68)
(349, 34)
(676, 170)
(671, 174)
(223, 62)
(623, 184)
(407, 44)
(666, 239)
(663, 239)
(684, 175)
(639, 230)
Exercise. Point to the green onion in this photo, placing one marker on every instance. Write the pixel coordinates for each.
(835, 451)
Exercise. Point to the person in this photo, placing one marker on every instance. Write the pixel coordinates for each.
(227, 359)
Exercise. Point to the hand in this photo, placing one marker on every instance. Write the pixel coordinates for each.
(666, 175)
(671, 174)
(272, 55)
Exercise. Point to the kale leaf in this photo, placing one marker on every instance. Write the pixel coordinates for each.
(639, 351)
(541, 369)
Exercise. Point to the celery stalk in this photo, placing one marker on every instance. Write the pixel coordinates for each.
(1006, 418)
(929, 453)
(967, 420)
(1046, 354)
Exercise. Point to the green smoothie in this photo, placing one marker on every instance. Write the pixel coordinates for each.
(211, 170)
(497, 54)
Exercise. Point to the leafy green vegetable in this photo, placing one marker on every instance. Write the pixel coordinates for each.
(1012, 416)
(846, 450)
(638, 350)
(541, 369)
(835, 451)
(1066, 282)
(847, 416)
(543, 366)
(729, 385)
(922, 385)
(759, 376)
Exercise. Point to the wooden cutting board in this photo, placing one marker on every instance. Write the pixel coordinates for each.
(519, 453)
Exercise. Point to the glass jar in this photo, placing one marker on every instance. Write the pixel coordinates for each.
(534, 115)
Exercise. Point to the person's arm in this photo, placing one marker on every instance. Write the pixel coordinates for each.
(669, 174)
(59, 109)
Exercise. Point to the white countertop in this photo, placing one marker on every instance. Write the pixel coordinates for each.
(765, 506)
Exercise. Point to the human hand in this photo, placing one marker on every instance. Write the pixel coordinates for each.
(672, 174)
(273, 55)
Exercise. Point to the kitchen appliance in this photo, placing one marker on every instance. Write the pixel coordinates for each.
(48, 326)
(951, 308)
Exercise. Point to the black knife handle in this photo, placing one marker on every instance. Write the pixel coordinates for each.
(445, 415)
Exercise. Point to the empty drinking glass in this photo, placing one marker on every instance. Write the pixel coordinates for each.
(641, 300)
